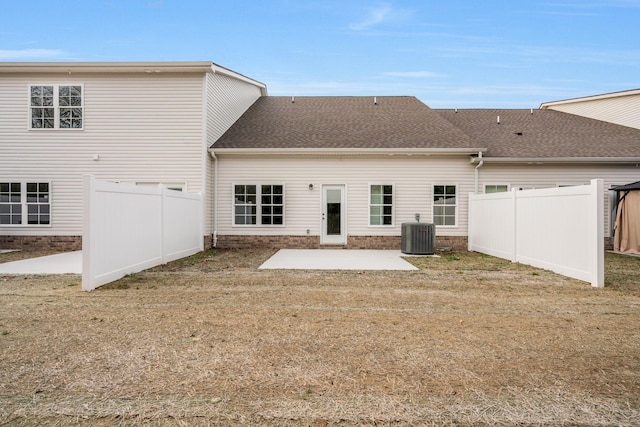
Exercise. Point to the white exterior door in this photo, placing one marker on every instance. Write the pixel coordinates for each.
(333, 215)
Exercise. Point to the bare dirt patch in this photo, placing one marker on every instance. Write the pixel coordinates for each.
(210, 340)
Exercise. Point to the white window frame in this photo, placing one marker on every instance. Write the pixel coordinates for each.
(455, 205)
(56, 107)
(382, 205)
(497, 185)
(258, 206)
(26, 204)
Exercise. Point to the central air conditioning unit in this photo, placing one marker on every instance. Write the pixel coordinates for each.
(418, 238)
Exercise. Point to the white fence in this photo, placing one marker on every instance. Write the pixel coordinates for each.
(129, 228)
(559, 229)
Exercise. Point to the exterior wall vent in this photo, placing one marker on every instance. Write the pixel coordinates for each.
(418, 238)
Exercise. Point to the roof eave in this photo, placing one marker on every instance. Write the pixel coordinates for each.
(546, 105)
(542, 160)
(198, 67)
(101, 67)
(350, 151)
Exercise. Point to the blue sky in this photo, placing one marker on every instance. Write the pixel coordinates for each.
(449, 54)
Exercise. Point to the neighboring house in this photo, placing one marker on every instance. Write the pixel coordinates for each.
(145, 123)
(618, 107)
(348, 171)
(547, 148)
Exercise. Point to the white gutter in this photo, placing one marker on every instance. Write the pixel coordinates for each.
(477, 172)
(215, 198)
(127, 67)
(216, 69)
(543, 160)
(353, 151)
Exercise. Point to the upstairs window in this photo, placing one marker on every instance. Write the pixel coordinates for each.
(56, 107)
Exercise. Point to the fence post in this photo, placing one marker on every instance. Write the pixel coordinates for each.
(470, 229)
(514, 216)
(88, 191)
(163, 246)
(597, 235)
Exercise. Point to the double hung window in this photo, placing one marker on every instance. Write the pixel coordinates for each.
(258, 205)
(381, 205)
(56, 107)
(444, 205)
(25, 203)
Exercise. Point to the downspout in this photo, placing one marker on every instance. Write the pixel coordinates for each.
(215, 198)
(477, 173)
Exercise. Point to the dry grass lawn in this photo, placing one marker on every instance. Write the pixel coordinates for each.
(210, 340)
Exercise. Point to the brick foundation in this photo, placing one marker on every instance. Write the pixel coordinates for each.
(208, 242)
(278, 242)
(56, 243)
(313, 242)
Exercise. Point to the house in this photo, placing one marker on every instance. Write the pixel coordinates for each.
(348, 171)
(280, 171)
(147, 123)
(548, 148)
(616, 107)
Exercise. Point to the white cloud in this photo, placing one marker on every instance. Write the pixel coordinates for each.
(30, 54)
(413, 74)
(374, 17)
(379, 15)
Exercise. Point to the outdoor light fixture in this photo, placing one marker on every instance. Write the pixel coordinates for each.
(310, 186)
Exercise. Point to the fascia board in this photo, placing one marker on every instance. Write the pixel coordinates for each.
(541, 160)
(105, 67)
(546, 105)
(350, 151)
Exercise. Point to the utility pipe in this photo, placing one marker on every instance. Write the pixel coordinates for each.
(477, 173)
(215, 199)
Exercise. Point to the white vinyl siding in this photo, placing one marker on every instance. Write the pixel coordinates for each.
(227, 99)
(622, 110)
(143, 127)
(412, 177)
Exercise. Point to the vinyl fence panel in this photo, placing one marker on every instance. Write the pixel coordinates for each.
(129, 228)
(559, 229)
(492, 220)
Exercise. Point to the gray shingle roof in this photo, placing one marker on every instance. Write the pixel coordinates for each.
(544, 134)
(396, 122)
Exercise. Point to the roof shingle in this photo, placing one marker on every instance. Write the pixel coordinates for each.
(395, 122)
(544, 134)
